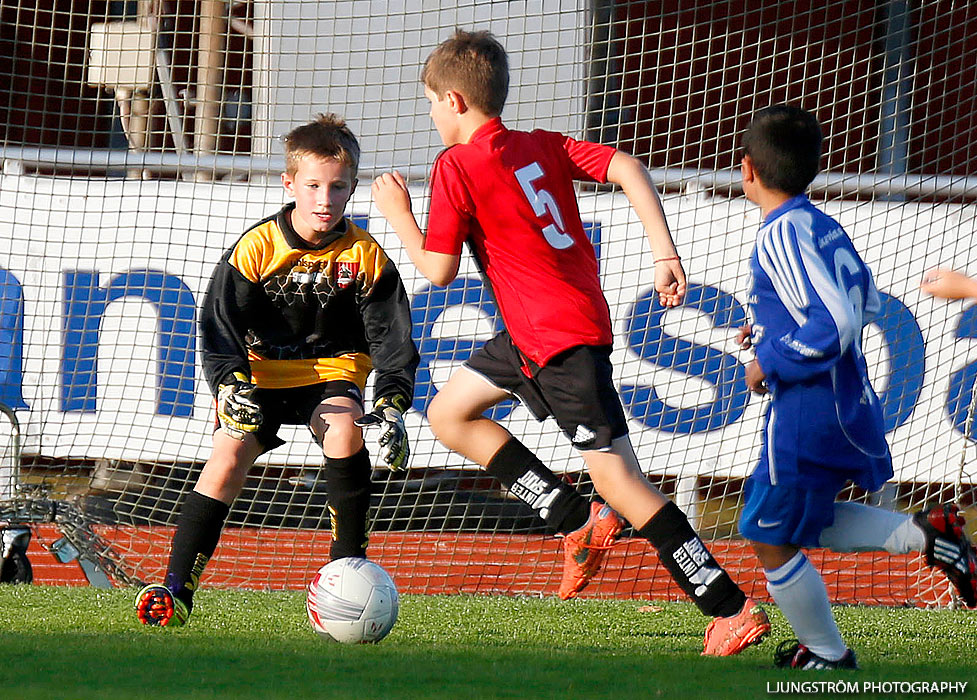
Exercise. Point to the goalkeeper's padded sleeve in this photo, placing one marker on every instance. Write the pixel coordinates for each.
(221, 321)
(385, 309)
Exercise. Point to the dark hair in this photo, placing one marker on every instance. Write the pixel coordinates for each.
(474, 64)
(784, 143)
(326, 137)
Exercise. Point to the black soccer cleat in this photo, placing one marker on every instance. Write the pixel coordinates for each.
(949, 550)
(793, 654)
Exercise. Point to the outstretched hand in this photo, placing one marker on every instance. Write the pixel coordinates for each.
(948, 284)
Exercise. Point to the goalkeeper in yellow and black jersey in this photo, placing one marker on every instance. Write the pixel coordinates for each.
(298, 313)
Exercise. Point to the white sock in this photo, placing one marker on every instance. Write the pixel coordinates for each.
(799, 592)
(861, 528)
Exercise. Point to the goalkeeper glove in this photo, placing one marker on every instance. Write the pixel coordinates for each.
(388, 413)
(237, 413)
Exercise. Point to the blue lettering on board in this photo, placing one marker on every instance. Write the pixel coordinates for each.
(646, 338)
(84, 305)
(11, 341)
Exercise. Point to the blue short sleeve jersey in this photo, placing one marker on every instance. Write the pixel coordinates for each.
(811, 296)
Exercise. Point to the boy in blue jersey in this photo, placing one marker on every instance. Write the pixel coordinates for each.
(811, 295)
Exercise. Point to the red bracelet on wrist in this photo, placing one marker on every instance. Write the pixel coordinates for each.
(673, 257)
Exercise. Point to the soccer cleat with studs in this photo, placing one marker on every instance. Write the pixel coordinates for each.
(949, 550)
(727, 636)
(793, 654)
(584, 549)
(156, 605)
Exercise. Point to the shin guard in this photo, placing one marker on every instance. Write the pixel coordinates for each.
(691, 565)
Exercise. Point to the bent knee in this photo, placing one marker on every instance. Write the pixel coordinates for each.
(342, 438)
(440, 415)
(772, 556)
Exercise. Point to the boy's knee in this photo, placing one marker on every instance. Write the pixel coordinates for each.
(342, 438)
(229, 458)
(335, 430)
(440, 415)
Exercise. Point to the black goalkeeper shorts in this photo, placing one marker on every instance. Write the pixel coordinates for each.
(576, 387)
(296, 406)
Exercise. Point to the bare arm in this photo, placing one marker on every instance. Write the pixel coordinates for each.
(393, 200)
(633, 177)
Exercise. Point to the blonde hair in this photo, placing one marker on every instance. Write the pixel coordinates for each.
(325, 137)
(474, 64)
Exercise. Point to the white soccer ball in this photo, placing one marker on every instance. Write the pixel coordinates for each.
(352, 600)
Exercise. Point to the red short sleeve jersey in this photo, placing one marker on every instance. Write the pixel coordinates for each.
(510, 195)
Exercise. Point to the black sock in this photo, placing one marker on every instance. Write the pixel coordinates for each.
(348, 485)
(529, 480)
(198, 530)
(691, 565)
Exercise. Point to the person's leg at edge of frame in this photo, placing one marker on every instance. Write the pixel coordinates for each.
(936, 530)
(198, 530)
(619, 480)
(348, 474)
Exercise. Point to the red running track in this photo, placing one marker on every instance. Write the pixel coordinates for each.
(451, 563)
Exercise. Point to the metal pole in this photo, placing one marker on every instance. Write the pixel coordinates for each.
(15, 449)
(165, 77)
(210, 65)
(14, 432)
(603, 108)
(874, 185)
(897, 87)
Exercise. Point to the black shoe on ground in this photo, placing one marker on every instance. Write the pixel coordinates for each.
(793, 654)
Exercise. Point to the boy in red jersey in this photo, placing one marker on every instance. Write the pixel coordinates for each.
(510, 196)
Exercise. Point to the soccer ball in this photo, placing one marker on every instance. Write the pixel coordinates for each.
(352, 600)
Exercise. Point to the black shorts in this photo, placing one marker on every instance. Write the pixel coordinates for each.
(576, 387)
(296, 406)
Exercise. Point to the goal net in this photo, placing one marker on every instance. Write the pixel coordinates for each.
(140, 139)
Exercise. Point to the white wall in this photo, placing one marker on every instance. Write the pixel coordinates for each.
(362, 59)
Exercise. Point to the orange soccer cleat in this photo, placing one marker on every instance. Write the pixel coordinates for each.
(584, 548)
(726, 636)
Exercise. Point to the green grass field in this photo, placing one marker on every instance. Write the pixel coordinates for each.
(87, 643)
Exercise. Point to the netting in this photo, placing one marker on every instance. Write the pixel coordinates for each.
(141, 138)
